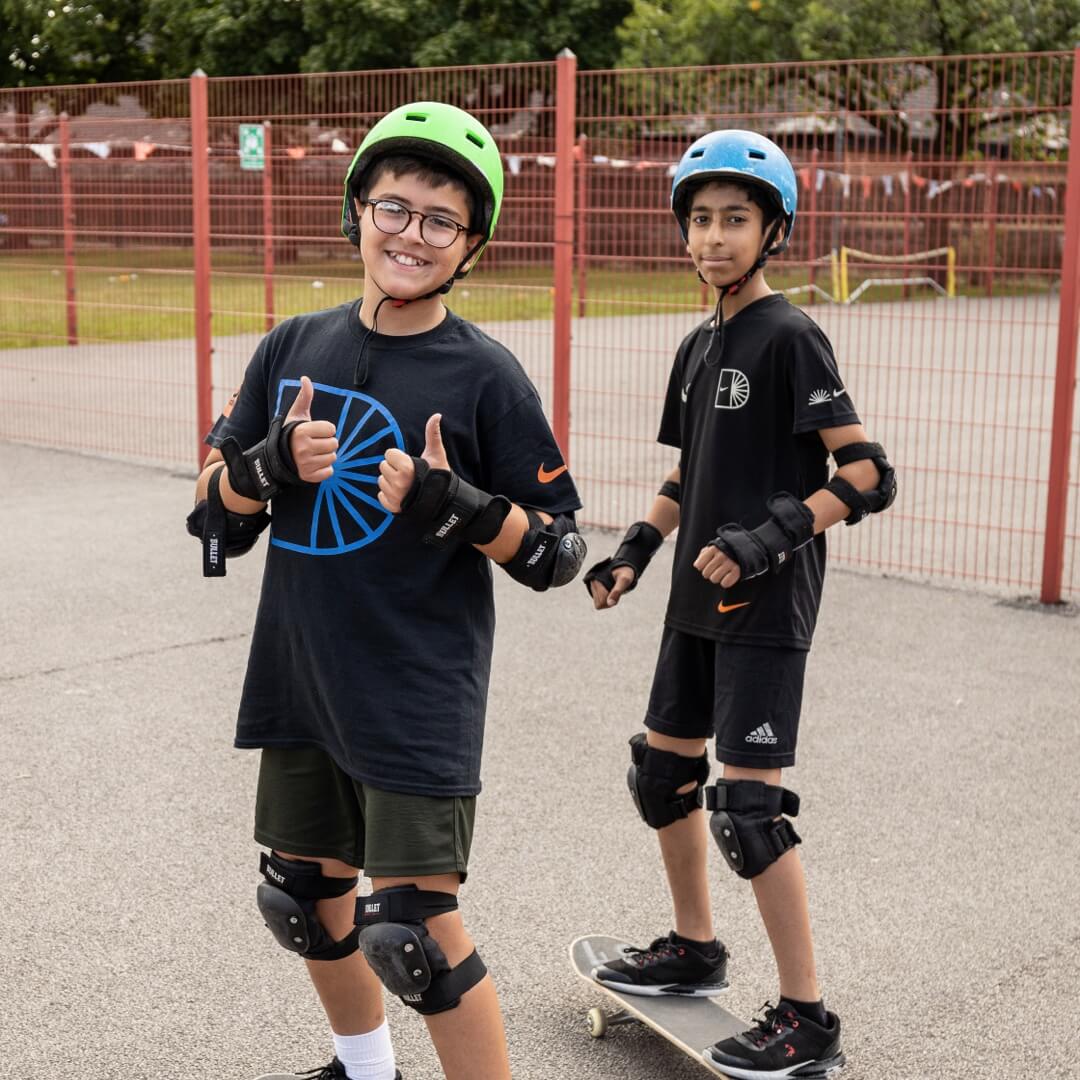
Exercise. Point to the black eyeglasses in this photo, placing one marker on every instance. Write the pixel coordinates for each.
(393, 218)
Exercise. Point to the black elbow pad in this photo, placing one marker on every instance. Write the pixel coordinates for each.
(224, 534)
(550, 555)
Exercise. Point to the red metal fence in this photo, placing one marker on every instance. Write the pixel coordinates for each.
(143, 251)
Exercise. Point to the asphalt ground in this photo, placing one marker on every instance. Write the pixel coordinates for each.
(937, 769)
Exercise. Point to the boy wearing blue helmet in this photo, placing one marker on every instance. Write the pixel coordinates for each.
(755, 404)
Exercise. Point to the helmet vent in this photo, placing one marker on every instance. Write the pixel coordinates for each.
(697, 153)
(474, 139)
(758, 154)
(416, 116)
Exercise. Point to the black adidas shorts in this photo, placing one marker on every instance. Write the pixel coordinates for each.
(749, 697)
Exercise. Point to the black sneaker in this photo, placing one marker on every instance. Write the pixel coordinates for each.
(333, 1071)
(781, 1044)
(667, 966)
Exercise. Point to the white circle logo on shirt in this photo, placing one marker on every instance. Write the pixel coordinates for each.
(733, 389)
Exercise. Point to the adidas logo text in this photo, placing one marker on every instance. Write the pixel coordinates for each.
(763, 734)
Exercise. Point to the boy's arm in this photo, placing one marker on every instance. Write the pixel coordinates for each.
(227, 521)
(236, 503)
(862, 475)
(738, 553)
(609, 579)
(495, 526)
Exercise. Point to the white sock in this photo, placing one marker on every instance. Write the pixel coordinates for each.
(367, 1057)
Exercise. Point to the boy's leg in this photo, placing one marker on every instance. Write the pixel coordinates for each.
(679, 720)
(350, 993)
(780, 892)
(684, 845)
(797, 1035)
(758, 694)
(669, 762)
(468, 1038)
(759, 698)
(306, 806)
(425, 841)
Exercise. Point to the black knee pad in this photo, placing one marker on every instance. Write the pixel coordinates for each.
(744, 823)
(405, 957)
(655, 777)
(287, 899)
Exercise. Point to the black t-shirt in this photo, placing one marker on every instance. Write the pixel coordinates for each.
(747, 428)
(369, 643)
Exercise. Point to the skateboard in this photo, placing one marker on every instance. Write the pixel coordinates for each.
(691, 1023)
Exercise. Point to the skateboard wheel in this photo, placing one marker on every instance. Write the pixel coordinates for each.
(597, 1022)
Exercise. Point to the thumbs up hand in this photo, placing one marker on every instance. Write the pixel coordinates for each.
(434, 451)
(312, 443)
(397, 470)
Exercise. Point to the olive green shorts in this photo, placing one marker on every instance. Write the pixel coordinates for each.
(306, 805)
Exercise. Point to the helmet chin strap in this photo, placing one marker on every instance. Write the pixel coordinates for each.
(717, 335)
(360, 374)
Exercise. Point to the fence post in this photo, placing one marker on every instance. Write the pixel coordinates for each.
(200, 236)
(68, 210)
(268, 225)
(1065, 379)
(815, 156)
(581, 236)
(565, 113)
(909, 179)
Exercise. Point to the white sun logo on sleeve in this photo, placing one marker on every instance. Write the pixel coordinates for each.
(820, 397)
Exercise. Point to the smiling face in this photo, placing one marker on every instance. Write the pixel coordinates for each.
(404, 265)
(725, 232)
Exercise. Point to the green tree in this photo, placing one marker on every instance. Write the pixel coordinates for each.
(50, 42)
(365, 34)
(677, 32)
(227, 37)
(967, 99)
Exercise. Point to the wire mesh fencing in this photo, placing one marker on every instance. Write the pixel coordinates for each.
(150, 233)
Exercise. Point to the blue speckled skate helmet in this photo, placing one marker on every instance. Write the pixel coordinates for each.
(744, 157)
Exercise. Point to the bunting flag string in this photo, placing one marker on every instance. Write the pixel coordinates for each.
(808, 177)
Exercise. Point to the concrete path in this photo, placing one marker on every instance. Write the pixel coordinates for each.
(941, 816)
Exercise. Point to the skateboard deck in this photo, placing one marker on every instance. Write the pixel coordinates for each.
(692, 1024)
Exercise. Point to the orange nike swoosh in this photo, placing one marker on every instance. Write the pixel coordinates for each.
(546, 477)
(723, 608)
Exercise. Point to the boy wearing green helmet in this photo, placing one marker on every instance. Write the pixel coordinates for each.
(402, 451)
(755, 404)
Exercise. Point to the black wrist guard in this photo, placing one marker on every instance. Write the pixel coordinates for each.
(770, 546)
(641, 542)
(261, 472)
(671, 489)
(451, 509)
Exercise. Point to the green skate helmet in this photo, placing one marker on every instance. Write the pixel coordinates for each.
(446, 136)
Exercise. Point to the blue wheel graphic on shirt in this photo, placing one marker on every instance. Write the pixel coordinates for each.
(347, 514)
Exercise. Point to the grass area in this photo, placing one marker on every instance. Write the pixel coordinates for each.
(137, 295)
